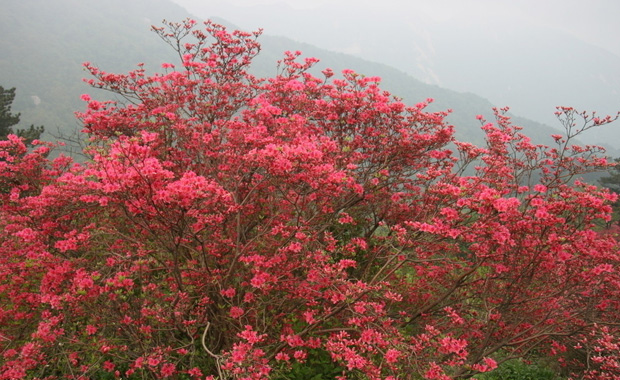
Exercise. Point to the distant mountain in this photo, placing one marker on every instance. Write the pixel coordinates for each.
(511, 60)
(45, 42)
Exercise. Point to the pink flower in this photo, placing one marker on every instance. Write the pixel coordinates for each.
(139, 362)
(345, 218)
(452, 345)
(250, 335)
(392, 355)
(536, 202)
(435, 373)
(236, 312)
(540, 188)
(195, 372)
(492, 364)
(108, 366)
(454, 316)
(295, 247)
(282, 356)
(239, 352)
(168, 370)
(506, 204)
(542, 213)
(91, 330)
(309, 316)
(105, 348)
(295, 85)
(259, 279)
(228, 293)
(73, 358)
(489, 365)
(300, 355)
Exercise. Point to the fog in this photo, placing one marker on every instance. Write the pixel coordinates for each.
(530, 55)
(593, 21)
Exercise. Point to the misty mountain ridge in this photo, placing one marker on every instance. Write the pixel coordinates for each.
(523, 65)
(45, 44)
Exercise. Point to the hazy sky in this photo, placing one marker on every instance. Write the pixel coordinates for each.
(594, 21)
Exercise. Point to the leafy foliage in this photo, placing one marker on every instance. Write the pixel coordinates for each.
(230, 226)
(317, 366)
(518, 370)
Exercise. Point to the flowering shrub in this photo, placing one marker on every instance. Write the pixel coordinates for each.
(234, 227)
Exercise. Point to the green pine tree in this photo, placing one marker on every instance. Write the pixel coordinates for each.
(612, 182)
(8, 119)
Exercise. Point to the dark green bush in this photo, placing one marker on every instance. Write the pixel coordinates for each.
(318, 366)
(518, 370)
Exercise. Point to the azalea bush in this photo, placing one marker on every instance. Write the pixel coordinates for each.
(233, 227)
